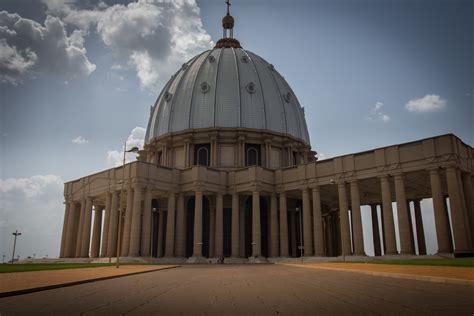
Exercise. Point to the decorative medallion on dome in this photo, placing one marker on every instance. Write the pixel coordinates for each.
(250, 87)
(168, 96)
(211, 59)
(205, 87)
(244, 59)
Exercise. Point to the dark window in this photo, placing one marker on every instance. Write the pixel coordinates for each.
(159, 156)
(252, 155)
(295, 158)
(201, 154)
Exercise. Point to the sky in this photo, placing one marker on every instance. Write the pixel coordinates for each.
(77, 79)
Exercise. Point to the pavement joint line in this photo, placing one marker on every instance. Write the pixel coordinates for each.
(67, 284)
(390, 274)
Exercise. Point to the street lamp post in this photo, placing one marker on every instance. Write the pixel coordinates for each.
(121, 212)
(153, 212)
(16, 234)
(298, 211)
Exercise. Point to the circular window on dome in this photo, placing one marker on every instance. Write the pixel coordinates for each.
(244, 59)
(211, 59)
(168, 96)
(205, 87)
(250, 87)
(271, 67)
(287, 97)
(184, 66)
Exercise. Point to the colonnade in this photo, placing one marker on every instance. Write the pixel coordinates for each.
(136, 229)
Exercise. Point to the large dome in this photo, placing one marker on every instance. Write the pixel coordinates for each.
(227, 88)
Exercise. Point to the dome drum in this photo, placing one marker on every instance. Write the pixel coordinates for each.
(228, 149)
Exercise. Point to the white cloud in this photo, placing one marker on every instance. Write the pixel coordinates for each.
(35, 207)
(376, 113)
(79, 140)
(153, 37)
(135, 139)
(429, 103)
(28, 48)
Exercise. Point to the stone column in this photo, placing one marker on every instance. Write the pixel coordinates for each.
(69, 250)
(65, 229)
(135, 223)
(212, 229)
(128, 223)
(420, 233)
(458, 221)
(170, 226)
(219, 240)
(86, 229)
(317, 223)
(274, 232)
(180, 227)
(82, 212)
(375, 230)
(469, 198)
(357, 220)
(307, 233)
(344, 219)
(113, 225)
(96, 230)
(256, 234)
(235, 226)
(161, 232)
(242, 245)
(145, 249)
(389, 228)
(105, 231)
(443, 231)
(283, 226)
(197, 247)
(403, 221)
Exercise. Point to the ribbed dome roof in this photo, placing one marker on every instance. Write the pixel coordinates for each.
(227, 87)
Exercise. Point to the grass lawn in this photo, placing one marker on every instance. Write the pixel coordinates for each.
(24, 267)
(457, 262)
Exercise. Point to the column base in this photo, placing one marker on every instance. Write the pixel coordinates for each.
(257, 260)
(197, 260)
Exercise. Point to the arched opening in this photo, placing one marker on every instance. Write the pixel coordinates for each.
(252, 155)
(190, 226)
(201, 154)
(264, 219)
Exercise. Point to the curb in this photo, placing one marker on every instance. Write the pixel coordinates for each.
(60, 285)
(393, 275)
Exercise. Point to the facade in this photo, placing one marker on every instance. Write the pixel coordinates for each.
(227, 170)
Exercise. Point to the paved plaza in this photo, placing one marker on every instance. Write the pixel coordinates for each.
(249, 289)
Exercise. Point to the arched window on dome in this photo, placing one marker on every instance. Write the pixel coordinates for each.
(201, 154)
(252, 155)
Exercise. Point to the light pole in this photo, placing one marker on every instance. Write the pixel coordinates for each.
(298, 211)
(16, 234)
(153, 212)
(341, 235)
(121, 211)
(3, 259)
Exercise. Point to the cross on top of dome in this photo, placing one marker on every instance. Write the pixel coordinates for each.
(228, 39)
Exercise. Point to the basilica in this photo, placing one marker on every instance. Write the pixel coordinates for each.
(227, 170)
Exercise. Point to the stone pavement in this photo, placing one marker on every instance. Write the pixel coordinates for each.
(443, 274)
(247, 290)
(31, 281)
